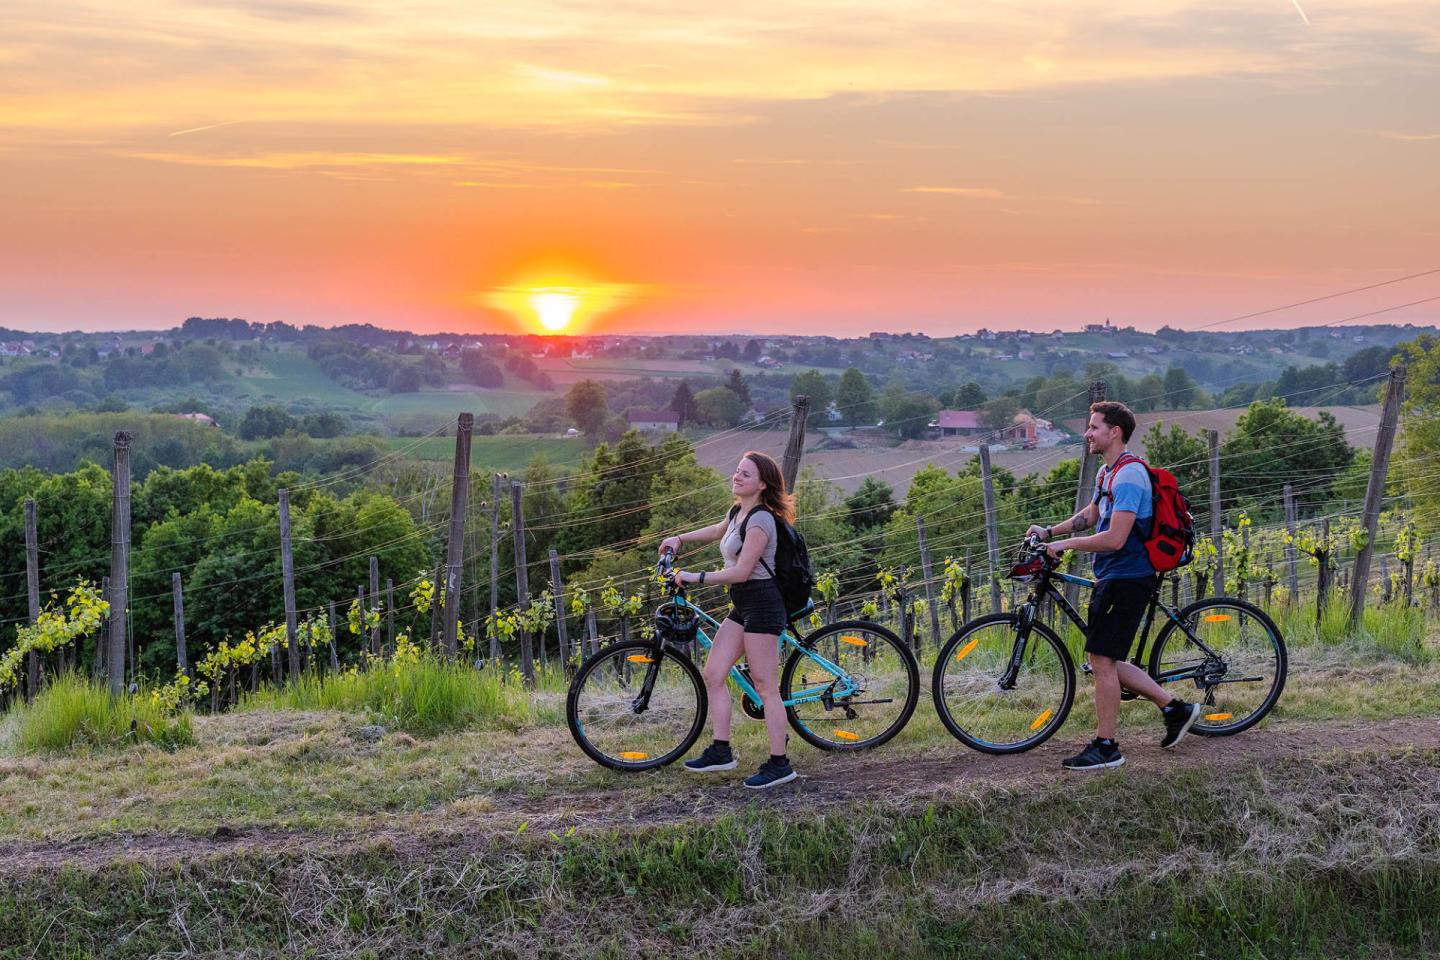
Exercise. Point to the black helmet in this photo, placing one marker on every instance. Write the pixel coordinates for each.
(676, 624)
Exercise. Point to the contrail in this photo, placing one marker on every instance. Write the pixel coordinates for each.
(181, 133)
(1302, 12)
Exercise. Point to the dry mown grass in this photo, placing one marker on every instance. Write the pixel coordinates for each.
(1330, 858)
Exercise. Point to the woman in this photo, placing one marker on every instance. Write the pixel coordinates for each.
(756, 618)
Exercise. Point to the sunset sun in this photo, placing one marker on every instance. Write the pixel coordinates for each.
(554, 308)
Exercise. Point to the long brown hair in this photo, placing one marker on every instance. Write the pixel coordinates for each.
(774, 497)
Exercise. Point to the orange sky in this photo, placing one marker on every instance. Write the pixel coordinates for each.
(821, 167)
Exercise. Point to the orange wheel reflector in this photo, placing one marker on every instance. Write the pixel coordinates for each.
(1040, 720)
(1216, 717)
(634, 755)
(855, 641)
(965, 650)
(1218, 618)
(846, 735)
(639, 658)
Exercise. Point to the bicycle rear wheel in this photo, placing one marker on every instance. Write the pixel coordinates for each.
(1241, 681)
(865, 686)
(618, 724)
(989, 707)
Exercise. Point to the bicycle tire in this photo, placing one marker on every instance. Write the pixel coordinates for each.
(1207, 726)
(644, 754)
(1039, 718)
(900, 664)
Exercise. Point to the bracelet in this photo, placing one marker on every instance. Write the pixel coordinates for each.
(1049, 532)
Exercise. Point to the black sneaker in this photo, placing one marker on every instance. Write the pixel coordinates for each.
(1178, 721)
(715, 757)
(772, 773)
(1096, 756)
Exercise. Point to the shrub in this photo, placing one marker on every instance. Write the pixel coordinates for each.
(74, 711)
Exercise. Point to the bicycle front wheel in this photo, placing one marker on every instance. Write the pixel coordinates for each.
(631, 708)
(1229, 651)
(991, 703)
(857, 684)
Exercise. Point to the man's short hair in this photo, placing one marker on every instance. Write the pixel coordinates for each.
(1116, 414)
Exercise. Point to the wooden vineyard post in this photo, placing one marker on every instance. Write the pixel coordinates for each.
(992, 532)
(436, 607)
(795, 444)
(372, 640)
(1089, 466)
(1375, 490)
(119, 564)
(102, 636)
(287, 577)
(389, 617)
(1217, 519)
(1292, 555)
(32, 594)
(182, 660)
(334, 631)
(927, 571)
(562, 630)
(494, 565)
(1322, 581)
(522, 579)
(965, 591)
(455, 548)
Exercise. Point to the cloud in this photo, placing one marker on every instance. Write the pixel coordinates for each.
(980, 193)
(1409, 137)
(296, 161)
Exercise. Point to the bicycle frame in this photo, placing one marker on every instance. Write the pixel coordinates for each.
(1045, 588)
(842, 688)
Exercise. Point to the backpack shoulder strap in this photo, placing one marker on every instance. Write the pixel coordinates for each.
(744, 523)
(1126, 459)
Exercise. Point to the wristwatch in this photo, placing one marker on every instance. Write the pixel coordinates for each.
(702, 578)
(1049, 532)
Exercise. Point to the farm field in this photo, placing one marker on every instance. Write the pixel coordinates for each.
(290, 832)
(288, 376)
(510, 454)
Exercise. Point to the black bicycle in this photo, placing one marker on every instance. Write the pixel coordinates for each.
(1004, 683)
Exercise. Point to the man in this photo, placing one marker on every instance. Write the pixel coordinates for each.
(1120, 512)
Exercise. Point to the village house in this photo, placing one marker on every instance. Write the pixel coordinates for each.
(653, 421)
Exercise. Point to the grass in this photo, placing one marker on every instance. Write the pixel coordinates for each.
(425, 698)
(75, 712)
(1306, 859)
(510, 454)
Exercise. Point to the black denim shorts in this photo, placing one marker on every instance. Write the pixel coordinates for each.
(1116, 609)
(757, 606)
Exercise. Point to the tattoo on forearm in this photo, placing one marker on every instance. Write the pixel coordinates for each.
(1079, 522)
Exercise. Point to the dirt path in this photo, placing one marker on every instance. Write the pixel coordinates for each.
(840, 781)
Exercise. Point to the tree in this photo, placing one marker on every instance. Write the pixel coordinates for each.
(1181, 391)
(870, 505)
(908, 414)
(585, 403)
(720, 407)
(812, 384)
(753, 351)
(1183, 454)
(1271, 445)
(683, 403)
(968, 396)
(1420, 434)
(855, 398)
(480, 370)
(266, 421)
(999, 413)
(737, 385)
(404, 379)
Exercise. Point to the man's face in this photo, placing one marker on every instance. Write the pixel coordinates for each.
(1099, 435)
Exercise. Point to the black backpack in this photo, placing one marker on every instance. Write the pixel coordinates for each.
(792, 561)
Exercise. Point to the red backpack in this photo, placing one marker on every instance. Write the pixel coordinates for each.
(1171, 543)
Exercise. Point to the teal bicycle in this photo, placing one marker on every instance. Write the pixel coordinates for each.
(641, 704)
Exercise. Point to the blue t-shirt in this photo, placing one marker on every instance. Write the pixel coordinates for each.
(1131, 492)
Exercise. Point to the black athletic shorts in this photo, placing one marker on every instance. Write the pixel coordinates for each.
(1116, 609)
(757, 606)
